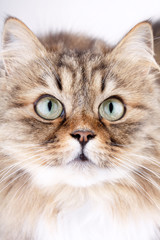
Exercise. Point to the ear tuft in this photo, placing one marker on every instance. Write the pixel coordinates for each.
(19, 44)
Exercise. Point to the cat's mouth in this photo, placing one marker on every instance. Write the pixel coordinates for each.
(81, 159)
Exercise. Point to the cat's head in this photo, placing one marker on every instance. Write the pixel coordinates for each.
(79, 117)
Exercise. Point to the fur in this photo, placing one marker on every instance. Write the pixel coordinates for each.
(45, 193)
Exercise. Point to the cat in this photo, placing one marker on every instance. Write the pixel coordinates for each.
(156, 34)
(79, 136)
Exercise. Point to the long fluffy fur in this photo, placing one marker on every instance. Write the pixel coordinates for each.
(39, 189)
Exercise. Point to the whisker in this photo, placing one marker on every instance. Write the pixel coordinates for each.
(144, 191)
(150, 159)
(23, 173)
(17, 163)
(24, 183)
(141, 174)
(5, 176)
(143, 166)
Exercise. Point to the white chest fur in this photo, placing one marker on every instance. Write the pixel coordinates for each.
(94, 223)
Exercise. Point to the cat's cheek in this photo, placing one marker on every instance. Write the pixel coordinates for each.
(106, 170)
(50, 176)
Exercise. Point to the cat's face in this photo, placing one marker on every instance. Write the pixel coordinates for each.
(79, 119)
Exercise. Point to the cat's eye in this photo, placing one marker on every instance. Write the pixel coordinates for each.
(112, 109)
(48, 107)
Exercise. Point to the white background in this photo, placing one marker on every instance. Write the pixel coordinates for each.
(107, 19)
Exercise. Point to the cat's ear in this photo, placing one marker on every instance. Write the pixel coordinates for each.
(137, 45)
(19, 44)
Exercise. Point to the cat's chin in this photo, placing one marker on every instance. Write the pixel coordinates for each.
(77, 174)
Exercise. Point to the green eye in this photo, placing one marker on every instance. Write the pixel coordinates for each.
(48, 107)
(112, 109)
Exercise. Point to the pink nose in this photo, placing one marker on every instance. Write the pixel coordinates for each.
(83, 136)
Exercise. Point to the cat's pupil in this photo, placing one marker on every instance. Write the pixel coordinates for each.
(111, 107)
(50, 105)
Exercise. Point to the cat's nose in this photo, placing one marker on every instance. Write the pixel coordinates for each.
(83, 136)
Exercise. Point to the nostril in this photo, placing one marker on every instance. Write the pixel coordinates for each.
(89, 137)
(77, 136)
